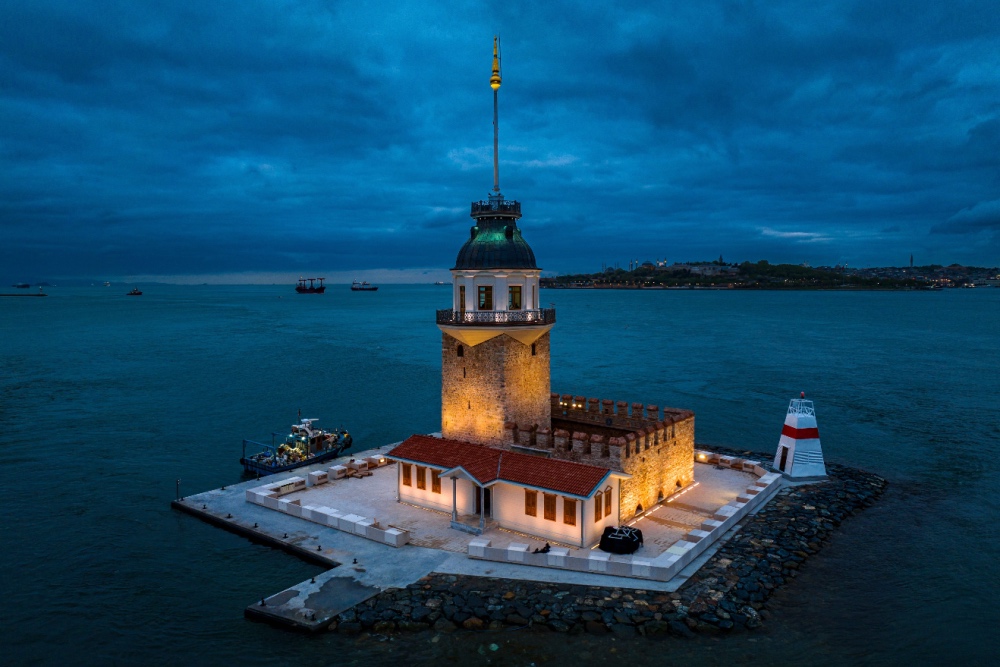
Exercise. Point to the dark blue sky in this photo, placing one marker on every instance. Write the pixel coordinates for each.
(262, 140)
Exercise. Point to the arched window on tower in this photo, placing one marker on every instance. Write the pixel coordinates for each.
(461, 351)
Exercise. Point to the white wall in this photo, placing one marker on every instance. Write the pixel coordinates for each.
(465, 496)
(508, 510)
(500, 280)
(595, 528)
(423, 497)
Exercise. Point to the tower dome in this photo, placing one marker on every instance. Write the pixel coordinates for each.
(494, 241)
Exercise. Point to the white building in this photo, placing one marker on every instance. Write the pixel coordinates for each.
(553, 499)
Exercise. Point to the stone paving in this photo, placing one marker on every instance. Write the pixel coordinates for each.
(375, 497)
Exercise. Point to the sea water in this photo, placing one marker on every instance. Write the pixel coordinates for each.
(106, 401)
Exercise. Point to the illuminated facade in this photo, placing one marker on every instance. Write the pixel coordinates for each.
(511, 453)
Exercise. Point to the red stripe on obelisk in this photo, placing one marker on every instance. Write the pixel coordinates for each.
(800, 433)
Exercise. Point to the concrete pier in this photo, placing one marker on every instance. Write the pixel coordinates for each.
(362, 568)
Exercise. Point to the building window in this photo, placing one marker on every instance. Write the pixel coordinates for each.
(534, 301)
(514, 297)
(461, 299)
(598, 506)
(435, 481)
(550, 506)
(607, 501)
(406, 475)
(532, 349)
(531, 502)
(421, 479)
(485, 297)
(569, 511)
(460, 351)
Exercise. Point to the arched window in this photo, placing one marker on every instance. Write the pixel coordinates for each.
(607, 501)
(461, 351)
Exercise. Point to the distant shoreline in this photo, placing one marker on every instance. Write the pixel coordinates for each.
(846, 288)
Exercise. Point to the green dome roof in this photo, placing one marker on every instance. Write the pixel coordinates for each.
(495, 242)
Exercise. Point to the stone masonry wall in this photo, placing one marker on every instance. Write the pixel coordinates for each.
(655, 447)
(492, 383)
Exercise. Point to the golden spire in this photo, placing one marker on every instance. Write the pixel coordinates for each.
(495, 79)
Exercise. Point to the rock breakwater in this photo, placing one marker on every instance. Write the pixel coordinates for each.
(728, 593)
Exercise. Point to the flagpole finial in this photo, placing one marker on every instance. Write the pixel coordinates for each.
(495, 79)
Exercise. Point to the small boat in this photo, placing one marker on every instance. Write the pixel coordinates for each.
(135, 292)
(21, 285)
(304, 446)
(311, 288)
(107, 284)
(363, 287)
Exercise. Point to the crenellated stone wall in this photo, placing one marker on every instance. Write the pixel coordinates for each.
(655, 446)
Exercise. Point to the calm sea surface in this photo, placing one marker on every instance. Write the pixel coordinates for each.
(106, 400)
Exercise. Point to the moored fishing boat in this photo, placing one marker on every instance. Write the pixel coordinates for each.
(305, 445)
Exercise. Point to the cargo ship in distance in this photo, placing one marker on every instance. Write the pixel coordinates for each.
(363, 287)
(311, 288)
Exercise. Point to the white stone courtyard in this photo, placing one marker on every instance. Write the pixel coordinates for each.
(663, 526)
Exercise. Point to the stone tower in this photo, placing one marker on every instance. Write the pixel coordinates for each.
(495, 337)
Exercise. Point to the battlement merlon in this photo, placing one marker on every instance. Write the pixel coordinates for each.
(622, 414)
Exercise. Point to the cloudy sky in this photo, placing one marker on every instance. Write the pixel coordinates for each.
(264, 138)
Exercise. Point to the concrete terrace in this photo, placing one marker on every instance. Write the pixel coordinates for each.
(361, 568)
(662, 526)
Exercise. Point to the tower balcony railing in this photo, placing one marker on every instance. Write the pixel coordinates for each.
(496, 206)
(502, 317)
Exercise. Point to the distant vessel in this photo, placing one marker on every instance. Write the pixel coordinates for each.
(363, 287)
(304, 446)
(21, 285)
(135, 292)
(440, 282)
(311, 288)
(107, 284)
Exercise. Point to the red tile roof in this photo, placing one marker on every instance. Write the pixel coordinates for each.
(488, 464)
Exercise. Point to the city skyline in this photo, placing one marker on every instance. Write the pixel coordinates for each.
(251, 142)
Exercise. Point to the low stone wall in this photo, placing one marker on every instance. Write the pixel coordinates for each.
(729, 593)
(268, 496)
(668, 564)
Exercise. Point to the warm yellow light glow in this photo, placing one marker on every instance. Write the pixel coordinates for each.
(495, 79)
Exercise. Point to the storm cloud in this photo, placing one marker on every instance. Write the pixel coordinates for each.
(236, 138)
